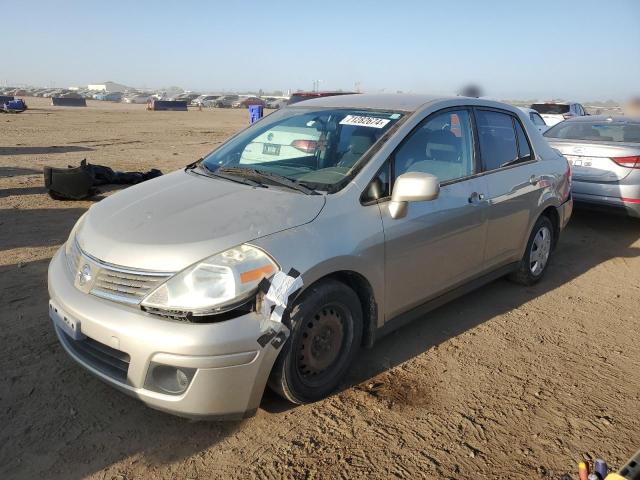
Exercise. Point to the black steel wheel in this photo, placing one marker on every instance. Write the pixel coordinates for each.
(326, 331)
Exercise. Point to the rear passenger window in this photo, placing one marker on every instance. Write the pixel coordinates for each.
(523, 145)
(498, 146)
(442, 146)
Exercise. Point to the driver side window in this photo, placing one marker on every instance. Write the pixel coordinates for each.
(442, 146)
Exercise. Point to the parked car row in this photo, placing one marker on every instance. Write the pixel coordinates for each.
(192, 98)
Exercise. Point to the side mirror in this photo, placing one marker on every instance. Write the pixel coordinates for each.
(412, 187)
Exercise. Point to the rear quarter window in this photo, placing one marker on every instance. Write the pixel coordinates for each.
(524, 150)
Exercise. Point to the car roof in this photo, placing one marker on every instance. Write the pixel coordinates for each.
(604, 118)
(404, 102)
(390, 101)
(528, 110)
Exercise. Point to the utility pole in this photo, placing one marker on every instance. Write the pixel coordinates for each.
(357, 86)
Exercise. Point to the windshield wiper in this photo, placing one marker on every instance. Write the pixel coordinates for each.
(277, 179)
(216, 174)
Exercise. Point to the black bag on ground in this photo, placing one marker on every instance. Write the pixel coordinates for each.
(68, 183)
(76, 183)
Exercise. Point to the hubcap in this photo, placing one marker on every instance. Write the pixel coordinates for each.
(322, 338)
(540, 250)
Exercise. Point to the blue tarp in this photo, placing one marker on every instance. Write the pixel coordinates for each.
(176, 105)
(68, 102)
(16, 105)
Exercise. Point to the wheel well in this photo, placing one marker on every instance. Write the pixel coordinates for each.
(552, 214)
(362, 287)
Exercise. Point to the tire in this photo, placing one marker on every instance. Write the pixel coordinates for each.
(536, 256)
(326, 332)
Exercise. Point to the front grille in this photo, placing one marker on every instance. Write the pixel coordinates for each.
(103, 358)
(125, 286)
(115, 283)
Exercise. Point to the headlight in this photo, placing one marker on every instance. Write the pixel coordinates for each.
(70, 250)
(215, 284)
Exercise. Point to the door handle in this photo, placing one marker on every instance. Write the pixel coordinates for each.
(476, 197)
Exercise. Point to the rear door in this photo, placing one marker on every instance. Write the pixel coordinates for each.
(514, 182)
(439, 243)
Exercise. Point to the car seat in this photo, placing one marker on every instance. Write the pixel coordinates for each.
(443, 156)
(361, 140)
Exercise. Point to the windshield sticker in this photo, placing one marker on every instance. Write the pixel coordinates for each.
(364, 121)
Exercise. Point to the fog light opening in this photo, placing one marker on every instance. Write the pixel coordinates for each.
(168, 379)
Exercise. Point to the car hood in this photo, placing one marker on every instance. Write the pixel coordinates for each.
(173, 221)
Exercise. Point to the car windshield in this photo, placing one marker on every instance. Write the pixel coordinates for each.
(551, 108)
(604, 131)
(311, 146)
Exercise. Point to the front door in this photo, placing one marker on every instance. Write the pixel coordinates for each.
(439, 243)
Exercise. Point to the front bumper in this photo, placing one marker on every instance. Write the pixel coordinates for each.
(624, 197)
(231, 367)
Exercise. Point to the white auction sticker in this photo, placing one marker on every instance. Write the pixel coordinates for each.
(364, 121)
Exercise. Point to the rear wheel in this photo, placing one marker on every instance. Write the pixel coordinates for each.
(536, 256)
(326, 331)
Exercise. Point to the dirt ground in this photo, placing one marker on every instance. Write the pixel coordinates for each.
(507, 382)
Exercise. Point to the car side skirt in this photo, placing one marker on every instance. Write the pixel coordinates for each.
(421, 310)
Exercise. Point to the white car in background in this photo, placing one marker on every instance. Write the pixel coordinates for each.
(556, 112)
(536, 119)
(140, 98)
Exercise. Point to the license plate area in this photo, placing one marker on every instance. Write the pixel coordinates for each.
(579, 161)
(65, 322)
(270, 149)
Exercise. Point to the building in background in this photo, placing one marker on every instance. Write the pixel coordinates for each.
(107, 87)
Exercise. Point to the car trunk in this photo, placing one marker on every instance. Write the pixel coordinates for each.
(592, 162)
(281, 144)
(552, 119)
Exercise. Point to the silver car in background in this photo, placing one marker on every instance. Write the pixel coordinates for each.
(263, 263)
(604, 152)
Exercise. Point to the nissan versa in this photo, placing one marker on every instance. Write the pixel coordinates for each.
(346, 216)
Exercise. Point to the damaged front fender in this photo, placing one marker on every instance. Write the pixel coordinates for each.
(274, 297)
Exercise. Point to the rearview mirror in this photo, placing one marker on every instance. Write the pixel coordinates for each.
(412, 187)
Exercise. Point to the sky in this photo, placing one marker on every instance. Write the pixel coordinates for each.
(540, 49)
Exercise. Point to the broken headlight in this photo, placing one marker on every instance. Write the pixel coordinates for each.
(215, 284)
